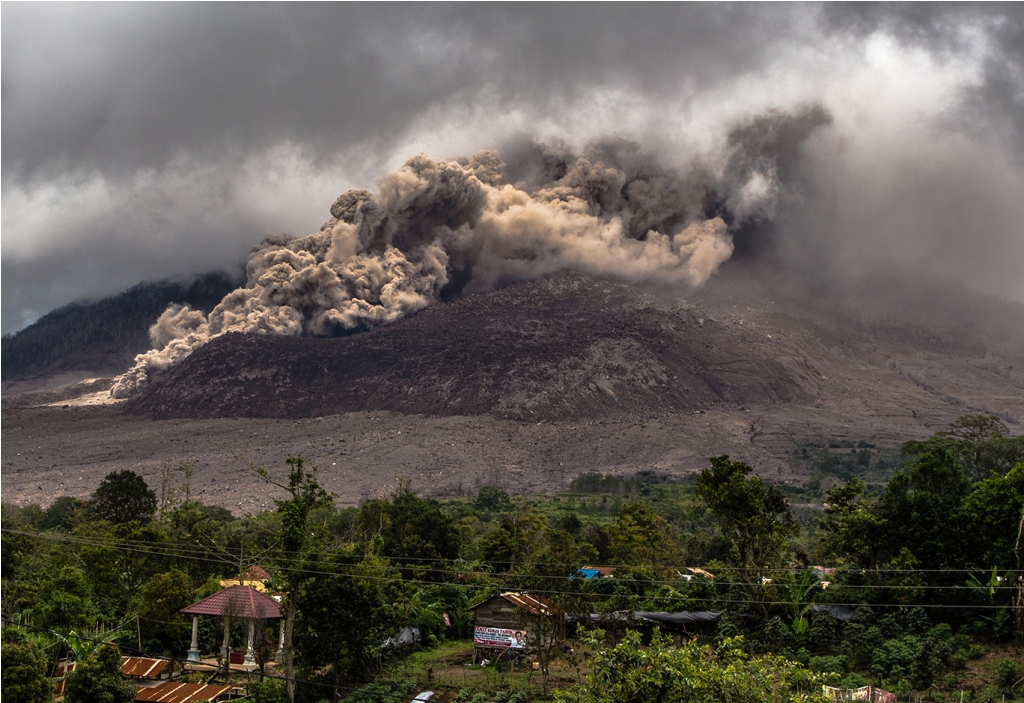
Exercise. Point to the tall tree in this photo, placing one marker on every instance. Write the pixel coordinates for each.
(755, 518)
(306, 494)
(123, 496)
(637, 537)
(163, 628)
(341, 619)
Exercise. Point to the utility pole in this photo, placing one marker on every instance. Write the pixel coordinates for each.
(1018, 606)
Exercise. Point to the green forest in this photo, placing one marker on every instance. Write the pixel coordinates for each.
(900, 569)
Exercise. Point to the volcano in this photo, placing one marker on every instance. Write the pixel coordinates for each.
(577, 347)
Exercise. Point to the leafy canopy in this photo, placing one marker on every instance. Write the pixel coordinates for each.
(23, 674)
(99, 678)
(755, 518)
(123, 496)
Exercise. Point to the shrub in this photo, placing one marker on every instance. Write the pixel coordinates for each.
(24, 670)
(1008, 672)
(99, 678)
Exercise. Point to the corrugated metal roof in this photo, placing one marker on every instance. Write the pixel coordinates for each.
(143, 668)
(237, 602)
(175, 692)
(529, 602)
(601, 572)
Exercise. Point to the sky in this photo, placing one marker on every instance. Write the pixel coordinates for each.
(148, 140)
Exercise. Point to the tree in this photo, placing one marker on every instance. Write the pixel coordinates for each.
(851, 525)
(123, 496)
(978, 443)
(117, 568)
(69, 604)
(61, 514)
(493, 499)
(411, 528)
(507, 545)
(636, 536)
(342, 619)
(163, 628)
(754, 518)
(306, 495)
(918, 504)
(989, 516)
(23, 673)
(98, 679)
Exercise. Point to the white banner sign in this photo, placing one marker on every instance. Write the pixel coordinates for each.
(498, 637)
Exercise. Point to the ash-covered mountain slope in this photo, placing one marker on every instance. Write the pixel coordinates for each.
(571, 346)
(577, 347)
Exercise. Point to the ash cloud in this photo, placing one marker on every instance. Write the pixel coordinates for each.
(437, 227)
(142, 141)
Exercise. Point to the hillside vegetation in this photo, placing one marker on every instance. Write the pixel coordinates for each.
(105, 335)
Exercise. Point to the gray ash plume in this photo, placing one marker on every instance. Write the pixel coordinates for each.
(438, 228)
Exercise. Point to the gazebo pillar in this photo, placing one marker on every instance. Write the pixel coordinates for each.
(279, 656)
(193, 653)
(250, 659)
(225, 648)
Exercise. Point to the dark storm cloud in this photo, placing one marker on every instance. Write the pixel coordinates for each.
(122, 86)
(142, 140)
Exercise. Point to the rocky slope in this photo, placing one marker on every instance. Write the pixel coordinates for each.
(569, 347)
(576, 347)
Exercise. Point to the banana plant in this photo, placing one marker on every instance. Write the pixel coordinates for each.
(798, 596)
(993, 582)
(84, 647)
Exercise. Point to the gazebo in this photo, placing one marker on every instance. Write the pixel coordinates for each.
(234, 602)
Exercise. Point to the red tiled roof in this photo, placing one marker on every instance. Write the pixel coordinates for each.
(142, 668)
(176, 692)
(237, 602)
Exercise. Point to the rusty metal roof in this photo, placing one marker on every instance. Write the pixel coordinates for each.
(237, 602)
(256, 573)
(175, 692)
(143, 668)
(532, 603)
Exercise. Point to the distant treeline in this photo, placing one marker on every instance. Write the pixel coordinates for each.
(106, 334)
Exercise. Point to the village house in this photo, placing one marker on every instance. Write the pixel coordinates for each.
(511, 622)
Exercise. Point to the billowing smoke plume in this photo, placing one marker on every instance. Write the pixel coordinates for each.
(437, 228)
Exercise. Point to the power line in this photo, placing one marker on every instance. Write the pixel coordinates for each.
(168, 549)
(592, 595)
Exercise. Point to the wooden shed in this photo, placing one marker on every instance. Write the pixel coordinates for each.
(509, 622)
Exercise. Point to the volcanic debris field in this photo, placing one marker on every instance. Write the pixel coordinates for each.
(528, 387)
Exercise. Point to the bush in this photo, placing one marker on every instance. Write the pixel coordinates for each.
(661, 672)
(827, 664)
(1008, 672)
(23, 676)
(99, 678)
(269, 691)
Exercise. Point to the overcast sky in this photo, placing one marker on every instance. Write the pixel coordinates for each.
(147, 140)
